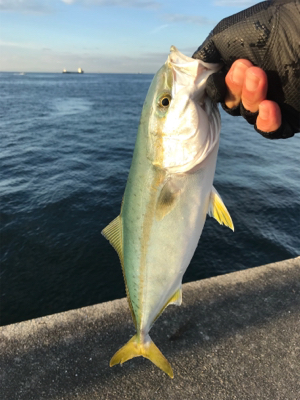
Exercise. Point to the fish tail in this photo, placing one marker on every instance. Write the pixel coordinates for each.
(147, 349)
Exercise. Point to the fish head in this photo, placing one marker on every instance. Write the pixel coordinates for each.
(184, 124)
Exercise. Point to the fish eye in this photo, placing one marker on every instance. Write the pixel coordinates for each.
(164, 101)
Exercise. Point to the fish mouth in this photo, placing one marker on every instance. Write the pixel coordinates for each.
(189, 71)
(179, 60)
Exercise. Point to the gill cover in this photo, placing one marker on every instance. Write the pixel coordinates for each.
(190, 125)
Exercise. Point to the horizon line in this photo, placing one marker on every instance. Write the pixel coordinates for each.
(74, 73)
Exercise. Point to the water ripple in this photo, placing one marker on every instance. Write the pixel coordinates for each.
(67, 143)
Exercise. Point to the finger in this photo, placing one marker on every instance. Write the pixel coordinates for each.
(235, 82)
(215, 86)
(254, 89)
(269, 116)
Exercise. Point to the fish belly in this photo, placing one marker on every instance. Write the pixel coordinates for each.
(158, 248)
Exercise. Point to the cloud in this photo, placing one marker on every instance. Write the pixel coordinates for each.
(46, 6)
(33, 59)
(189, 19)
(15, 44)
(159, 28)
(235, 3)
(150, 4)
(26, 6)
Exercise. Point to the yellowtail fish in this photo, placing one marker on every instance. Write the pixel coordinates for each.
(168, 194)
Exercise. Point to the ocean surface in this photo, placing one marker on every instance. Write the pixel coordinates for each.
(66, 148)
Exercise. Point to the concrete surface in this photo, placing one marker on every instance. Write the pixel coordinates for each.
(236, 336)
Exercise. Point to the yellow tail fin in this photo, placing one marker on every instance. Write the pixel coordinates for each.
(147, 349)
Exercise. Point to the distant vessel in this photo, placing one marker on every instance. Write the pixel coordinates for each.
(79, 71)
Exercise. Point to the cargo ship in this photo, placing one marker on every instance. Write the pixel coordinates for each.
(79, 71)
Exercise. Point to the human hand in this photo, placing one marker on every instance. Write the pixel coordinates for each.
(248, 84)
(263, 41)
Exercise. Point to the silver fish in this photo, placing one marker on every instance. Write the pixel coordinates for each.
(168, 194)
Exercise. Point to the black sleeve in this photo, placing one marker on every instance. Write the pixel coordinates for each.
(268, 35)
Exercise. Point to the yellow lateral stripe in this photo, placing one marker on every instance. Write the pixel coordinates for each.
(148, 220)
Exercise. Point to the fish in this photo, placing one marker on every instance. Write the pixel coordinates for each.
(168, 194)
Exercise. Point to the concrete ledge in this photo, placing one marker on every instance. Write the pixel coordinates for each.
(236, 336)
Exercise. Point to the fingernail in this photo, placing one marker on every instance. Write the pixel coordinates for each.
(252, 82)
(238, 73)
(263, 112)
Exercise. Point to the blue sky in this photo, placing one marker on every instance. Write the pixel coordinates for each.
(104, 35)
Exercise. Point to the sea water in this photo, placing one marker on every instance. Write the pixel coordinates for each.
(66, 147)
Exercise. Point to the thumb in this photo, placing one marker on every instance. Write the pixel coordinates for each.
(215, 85)
(208, 52)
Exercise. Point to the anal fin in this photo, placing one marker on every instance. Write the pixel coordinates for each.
(176, 299)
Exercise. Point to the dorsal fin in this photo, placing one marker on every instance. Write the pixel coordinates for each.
(218, 210)
(113, 233)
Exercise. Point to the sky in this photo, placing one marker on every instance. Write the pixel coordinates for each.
(117, 36)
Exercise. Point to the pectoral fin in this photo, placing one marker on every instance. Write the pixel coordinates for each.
(168, 198)
(218, 210)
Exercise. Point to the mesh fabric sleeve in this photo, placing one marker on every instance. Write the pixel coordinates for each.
(268, 35)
